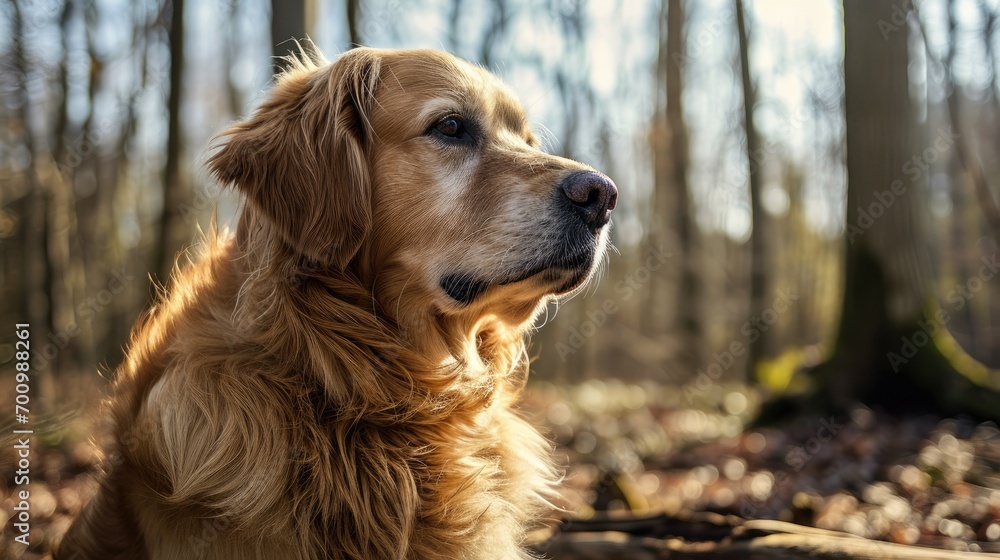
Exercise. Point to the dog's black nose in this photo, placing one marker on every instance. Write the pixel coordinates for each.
(593, 195)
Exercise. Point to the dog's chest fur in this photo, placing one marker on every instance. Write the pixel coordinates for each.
(320, 446)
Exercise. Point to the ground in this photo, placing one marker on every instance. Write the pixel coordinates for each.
(665, 449)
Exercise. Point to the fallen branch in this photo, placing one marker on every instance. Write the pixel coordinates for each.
(717, 537)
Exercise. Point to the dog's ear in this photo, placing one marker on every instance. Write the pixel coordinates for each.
(301, 158)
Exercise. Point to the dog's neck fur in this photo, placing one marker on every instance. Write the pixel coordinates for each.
(455, 351)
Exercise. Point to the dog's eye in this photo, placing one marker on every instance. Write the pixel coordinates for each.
(452, 129)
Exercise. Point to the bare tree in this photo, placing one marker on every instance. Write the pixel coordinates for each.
(173, 192)
(888, 343)
(35, 269)
(454, 16)
(290, 23)
(759, 255)
(671, 200)
(353, 23)
(498, 27)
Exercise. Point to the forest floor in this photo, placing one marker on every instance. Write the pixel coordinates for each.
(639, 449)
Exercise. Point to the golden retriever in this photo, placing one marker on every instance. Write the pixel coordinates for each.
(337, 378)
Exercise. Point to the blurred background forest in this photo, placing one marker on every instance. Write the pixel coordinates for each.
(807, 218)
(733, 226)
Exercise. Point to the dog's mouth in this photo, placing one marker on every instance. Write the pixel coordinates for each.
(560, 275)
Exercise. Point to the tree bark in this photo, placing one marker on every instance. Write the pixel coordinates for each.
(454, 16)
(656, 314)
(35, 265)
(353, 23)
(892, 331)
(690, 295)
(288, 25)
(173, 195)
(759, 256)
(673, 303)
(61, 218)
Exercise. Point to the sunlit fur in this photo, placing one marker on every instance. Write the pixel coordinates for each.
(305, 389)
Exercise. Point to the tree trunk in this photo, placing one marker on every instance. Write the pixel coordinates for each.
(173, 195)
(454, 17)
(353, 23)
(671, 300)
(36, 269)
(231, 49)
(892, 331)
(290, 23)
(671, 305)
(60, 220)
(759, 257)
(655, 314)
(688, 307)
(496, 30)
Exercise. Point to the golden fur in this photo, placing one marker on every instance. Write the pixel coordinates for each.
(307, 388)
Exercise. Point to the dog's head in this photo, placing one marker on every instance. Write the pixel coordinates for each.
(420, 172)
